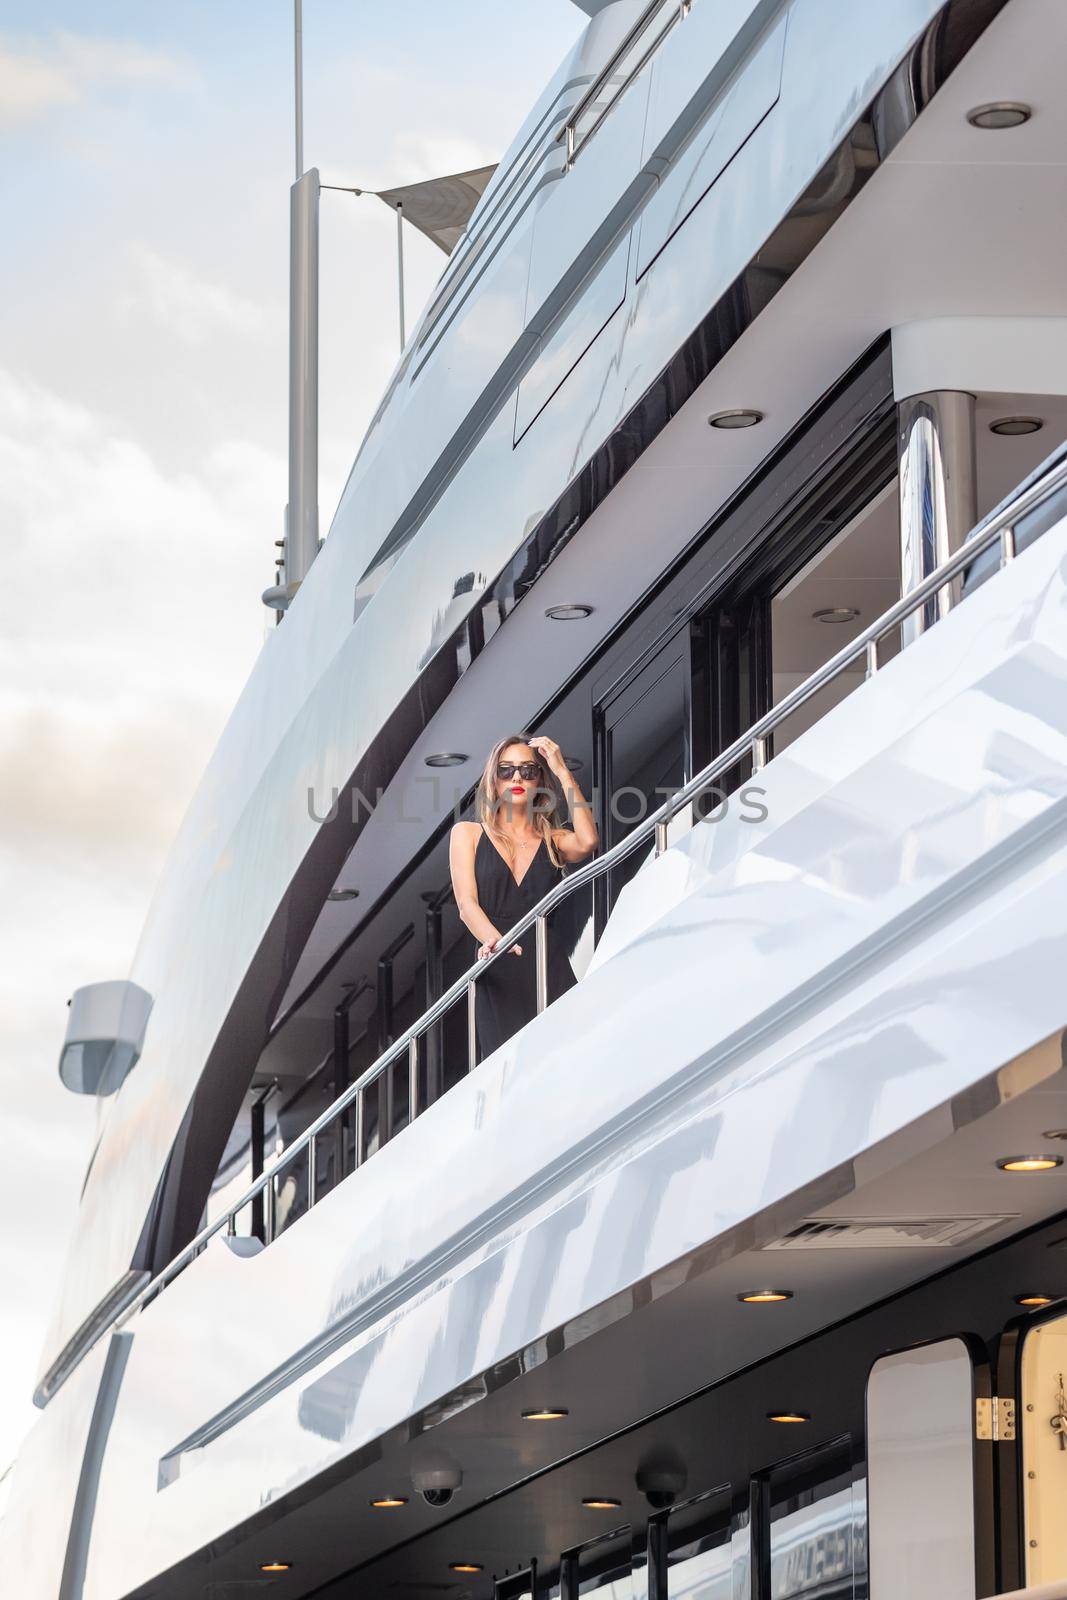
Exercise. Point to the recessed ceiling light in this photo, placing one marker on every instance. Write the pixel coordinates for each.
(1000, 114)
(464, 1566)
(1033, 1302)
(545, 1414)
(343, 894)
(601, 1502)
(1029, 1163)
(836, 614)
(275, 1566)
(446, 758)
(1055, 1133)
(1014, 427)
(789, 1416)
(389, 1502)
(738, 418)
(765, 1297)
(574, 611)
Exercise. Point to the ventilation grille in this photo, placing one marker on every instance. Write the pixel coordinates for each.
(886, 1233)
(408, 1586)
(236, 1588)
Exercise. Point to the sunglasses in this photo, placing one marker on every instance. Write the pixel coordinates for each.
(526, 770)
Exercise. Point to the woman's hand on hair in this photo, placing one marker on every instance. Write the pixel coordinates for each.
(551, 755)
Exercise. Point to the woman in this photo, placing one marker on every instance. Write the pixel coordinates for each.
(507, 861)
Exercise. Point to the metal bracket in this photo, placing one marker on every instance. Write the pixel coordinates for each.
(994, 1419)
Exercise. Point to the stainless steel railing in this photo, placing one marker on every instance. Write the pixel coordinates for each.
(637, 46)
(1044, 1591)
(998, 528)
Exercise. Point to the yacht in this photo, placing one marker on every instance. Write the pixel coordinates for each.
(730, 451)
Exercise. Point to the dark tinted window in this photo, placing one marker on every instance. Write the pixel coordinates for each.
(812, 1525)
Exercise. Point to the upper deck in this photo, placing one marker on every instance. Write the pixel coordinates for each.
(342, 702)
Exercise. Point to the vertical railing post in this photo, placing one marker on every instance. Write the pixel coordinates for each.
(541, 960)
(434, 986)
(472, 1027)
(386, 1018)
(872, 657)
(340, 1081)
(413, 1080)
(342, 1029)
(361, 1130)
(384, 1084)
(1007, 545)
(258, 1139)
(661, 836)
(270, 1197)
(313, 1173)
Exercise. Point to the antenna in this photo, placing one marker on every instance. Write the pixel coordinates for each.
(298, 73)
(400, 268)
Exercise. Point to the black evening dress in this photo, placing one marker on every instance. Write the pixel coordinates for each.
(506, 997)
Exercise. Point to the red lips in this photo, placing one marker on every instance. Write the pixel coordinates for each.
(518, 790)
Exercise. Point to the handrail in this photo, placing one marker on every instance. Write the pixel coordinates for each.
(1043, 1591)
(681, 8)
(998, 526)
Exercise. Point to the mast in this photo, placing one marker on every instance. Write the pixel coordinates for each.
(301, 544)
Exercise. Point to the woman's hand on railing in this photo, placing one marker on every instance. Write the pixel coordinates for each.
(490, 947)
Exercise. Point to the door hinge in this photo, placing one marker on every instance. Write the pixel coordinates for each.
(994, 1418)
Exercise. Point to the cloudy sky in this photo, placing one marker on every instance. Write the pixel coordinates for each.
(145, 157)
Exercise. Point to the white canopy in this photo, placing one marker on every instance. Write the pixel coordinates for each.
(440, 207)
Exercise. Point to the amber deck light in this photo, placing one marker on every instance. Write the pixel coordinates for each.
(765, 1297)
(1029, 1163)
(389, 1502)
(545, 1414)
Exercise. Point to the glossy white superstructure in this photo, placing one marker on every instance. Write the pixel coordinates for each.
(843, 1004)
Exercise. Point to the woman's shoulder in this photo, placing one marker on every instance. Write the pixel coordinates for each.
(468, 832)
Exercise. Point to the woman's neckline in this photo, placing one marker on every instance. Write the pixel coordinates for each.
(518, 882)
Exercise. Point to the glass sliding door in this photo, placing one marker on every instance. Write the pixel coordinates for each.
(920, 1453)
(644, 751)
(1044, 1450)
(849, 582)
(701, 1551)
(824, 565)
(815, 1532)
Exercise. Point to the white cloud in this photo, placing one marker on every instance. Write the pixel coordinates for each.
(38, 76)
(419, 156)
(192, 307)
(132, 618)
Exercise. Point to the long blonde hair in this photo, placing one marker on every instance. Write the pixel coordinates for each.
(546, 812)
